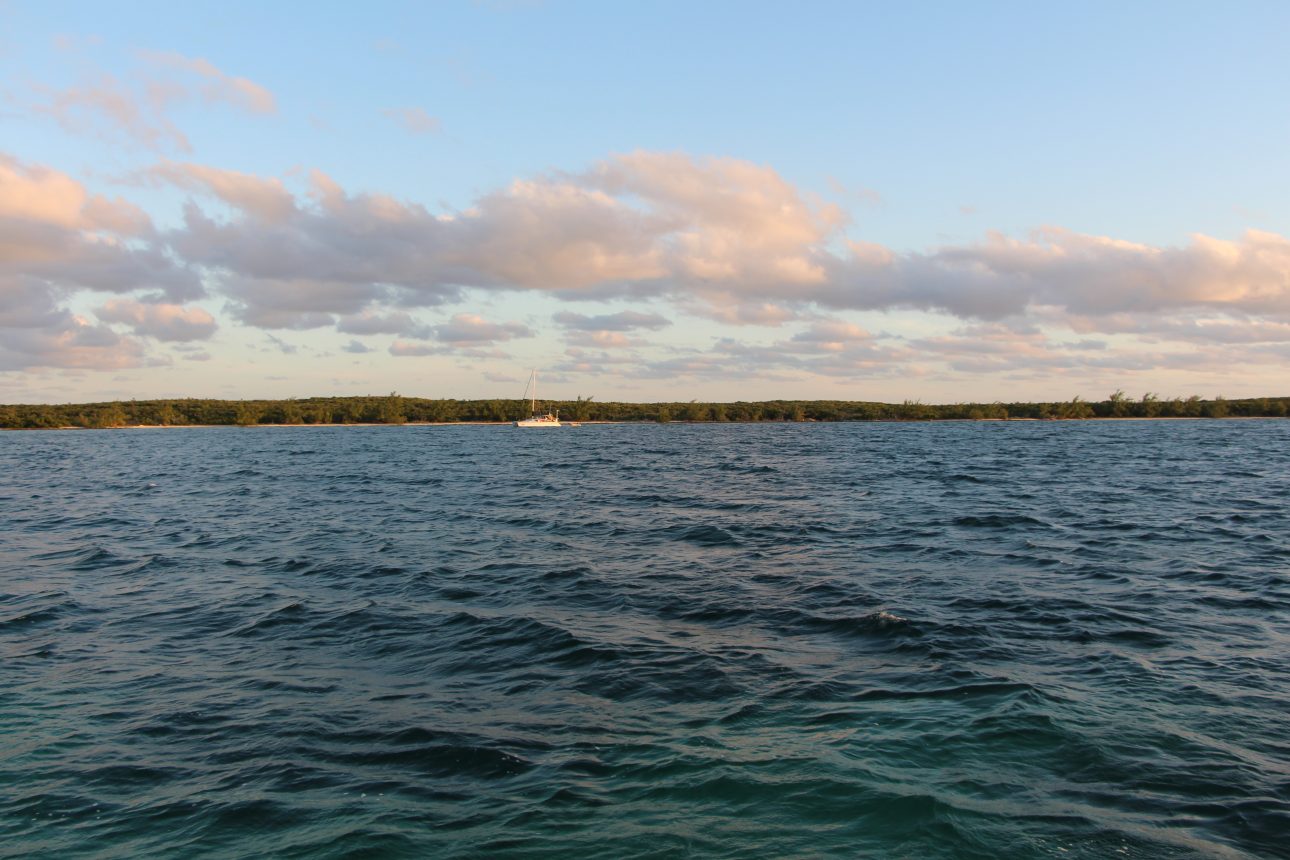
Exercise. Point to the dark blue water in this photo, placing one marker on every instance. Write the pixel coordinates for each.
(864, 640)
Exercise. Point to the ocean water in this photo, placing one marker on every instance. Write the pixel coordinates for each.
(757, 641)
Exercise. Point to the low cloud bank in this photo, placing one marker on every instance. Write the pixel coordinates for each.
(713, 237)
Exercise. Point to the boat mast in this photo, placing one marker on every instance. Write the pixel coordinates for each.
(533, 382)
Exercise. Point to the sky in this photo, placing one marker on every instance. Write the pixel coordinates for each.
(666, 201)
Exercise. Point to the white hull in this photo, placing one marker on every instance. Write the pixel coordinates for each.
(551, 419)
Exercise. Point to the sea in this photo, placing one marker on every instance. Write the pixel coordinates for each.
(789, 640)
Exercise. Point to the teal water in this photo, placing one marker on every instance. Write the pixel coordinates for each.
(864, 640)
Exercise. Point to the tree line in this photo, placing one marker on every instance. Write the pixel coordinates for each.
(397, 409)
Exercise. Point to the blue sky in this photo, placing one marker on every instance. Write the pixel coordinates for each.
(943, 201)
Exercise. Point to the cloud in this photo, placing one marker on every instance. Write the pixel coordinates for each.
(621, 321)
(641, 224)
(370, 322)
(732, 310)
(282, 346)
(474, 330)
(413, 120)
(608, 331)
(56, 239)
(216, 86)
(39, 195)
(405, 349)
(1075, 272)
(356, 347)
(858, 193)
(1202, 328)
(267, 199)
(720, 238)
(831, 336)
(604, 340)
(161, 321)
(138, 111)
(112, 110)
(467, 335)
(62, 340)
(273, 303)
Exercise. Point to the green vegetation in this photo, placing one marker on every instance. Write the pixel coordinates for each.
(396, 409)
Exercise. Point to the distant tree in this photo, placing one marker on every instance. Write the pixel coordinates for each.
(106, 415)
(168, 415)
(246, 413)
(1216, 408)
(392, 410)
(1077, 408)
(582, 408)
(1119, 404)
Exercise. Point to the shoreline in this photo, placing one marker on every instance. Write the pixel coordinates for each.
(1093, 418)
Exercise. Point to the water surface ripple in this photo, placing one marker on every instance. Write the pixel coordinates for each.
(876, 640)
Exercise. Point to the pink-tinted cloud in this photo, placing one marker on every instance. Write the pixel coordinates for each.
(159, 320)
(603, 340)
(138, 111)
(720, 238)
(413, 120)
(56, 239)
(474, 330)
(37, 194)
(216, 85)
(266, 199)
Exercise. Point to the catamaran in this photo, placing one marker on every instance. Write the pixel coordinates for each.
(549, 419)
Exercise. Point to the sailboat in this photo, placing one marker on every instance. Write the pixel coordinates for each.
(550, 419)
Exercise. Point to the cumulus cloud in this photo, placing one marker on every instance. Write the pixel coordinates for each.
(57, 338)
(466, 335)
(274, 303)
(158, 320)
(722, 238)
(474, 330)
(413, 120)
(36, 194)
(732, 239)
(57, 239)
(608, 331)
(53, 231)
(1076, 272)
(267, 199)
